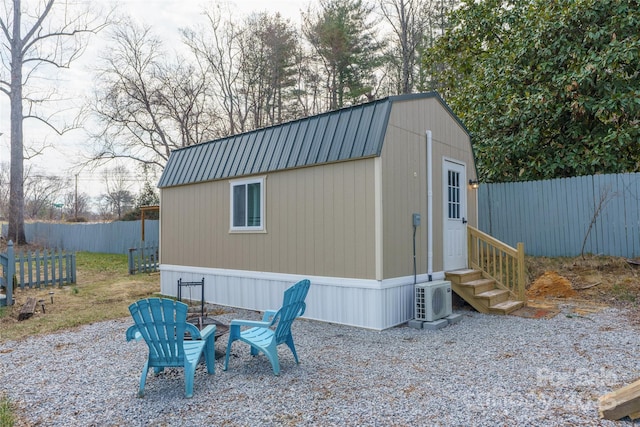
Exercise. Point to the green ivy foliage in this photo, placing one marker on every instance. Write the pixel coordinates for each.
(548, 89)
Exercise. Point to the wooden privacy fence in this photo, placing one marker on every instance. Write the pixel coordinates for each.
(36, 269)
(597, 214)
(144, 258)
(112, 238)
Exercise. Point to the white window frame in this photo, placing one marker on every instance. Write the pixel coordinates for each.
(245, 182)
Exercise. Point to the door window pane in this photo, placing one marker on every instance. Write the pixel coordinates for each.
(454, 194)
(253, 205)
(239, 207)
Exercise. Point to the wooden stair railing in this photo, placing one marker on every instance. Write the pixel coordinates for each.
(497, 261)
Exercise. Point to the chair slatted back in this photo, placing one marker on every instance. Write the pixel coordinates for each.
(162, 323)
(293, 306)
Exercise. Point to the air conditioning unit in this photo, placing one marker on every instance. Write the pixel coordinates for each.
(433, 300)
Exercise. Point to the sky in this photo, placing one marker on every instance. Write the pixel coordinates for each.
(166, 17)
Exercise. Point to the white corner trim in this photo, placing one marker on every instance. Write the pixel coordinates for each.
(377, 184)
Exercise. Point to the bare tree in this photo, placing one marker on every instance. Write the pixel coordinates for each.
(438, 22)
(146, 103)
(51, 34)
(42, 192)
(4, 189)
(251, 64)
(408, 20)
(309, 85)
(606, 195)
(118, 198)
(216, 50)
(76, 206)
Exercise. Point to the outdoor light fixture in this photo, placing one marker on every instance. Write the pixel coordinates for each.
(474, 184)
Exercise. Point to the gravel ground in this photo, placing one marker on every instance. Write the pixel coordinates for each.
(483, 371)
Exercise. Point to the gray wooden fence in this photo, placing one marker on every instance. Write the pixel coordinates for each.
(8, 265)
(113, 237)
(35, 269)
(144, 258)
(553, 217)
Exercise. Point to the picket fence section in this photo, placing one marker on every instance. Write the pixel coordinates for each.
(45, 268)
(554, 217)
(112, 238)
(144, 258)
(35, 269)
(7, 262)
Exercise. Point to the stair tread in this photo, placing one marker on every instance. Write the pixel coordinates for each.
(506, 305)
(478, 282)
(492, 293)
(463, 271)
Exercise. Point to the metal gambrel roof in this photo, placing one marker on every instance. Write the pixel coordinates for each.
(350, 133)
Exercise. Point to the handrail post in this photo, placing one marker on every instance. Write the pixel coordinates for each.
(11, 268)
(131, 261)
(469, 248)
(73, 268)
(521, 273)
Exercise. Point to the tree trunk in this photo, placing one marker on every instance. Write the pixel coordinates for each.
(407, 52)
(16, 191)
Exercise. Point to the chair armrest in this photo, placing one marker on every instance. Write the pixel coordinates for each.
(302, 310)
(208, 331)
(268, 315)
(250, 323)
(197, 334)
(133, 333)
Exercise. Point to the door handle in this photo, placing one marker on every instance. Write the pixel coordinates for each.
(464, 221)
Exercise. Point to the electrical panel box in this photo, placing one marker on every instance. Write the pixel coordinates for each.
(416, 219)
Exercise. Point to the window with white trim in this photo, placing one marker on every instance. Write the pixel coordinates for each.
(247, 204)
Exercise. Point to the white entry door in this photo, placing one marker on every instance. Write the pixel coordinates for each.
(455, 215)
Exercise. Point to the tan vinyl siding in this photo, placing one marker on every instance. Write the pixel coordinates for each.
(404, 189)
(319, 221)
(403, 193)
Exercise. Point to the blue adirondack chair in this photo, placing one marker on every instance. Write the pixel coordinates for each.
(162, 324)
(262, 337)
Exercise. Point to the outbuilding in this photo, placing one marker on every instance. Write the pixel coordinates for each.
(364, 201)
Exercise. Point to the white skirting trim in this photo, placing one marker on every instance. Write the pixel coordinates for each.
(371, 304)
(284, 277)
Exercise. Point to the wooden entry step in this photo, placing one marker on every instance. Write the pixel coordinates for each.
(482, 293)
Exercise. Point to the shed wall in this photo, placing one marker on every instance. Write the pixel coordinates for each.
(404, 177)
(318, 222)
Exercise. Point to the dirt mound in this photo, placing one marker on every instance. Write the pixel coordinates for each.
(551, 284)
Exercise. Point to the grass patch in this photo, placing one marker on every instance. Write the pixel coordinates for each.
(6, 413)
(103, 291)
(623, 292)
